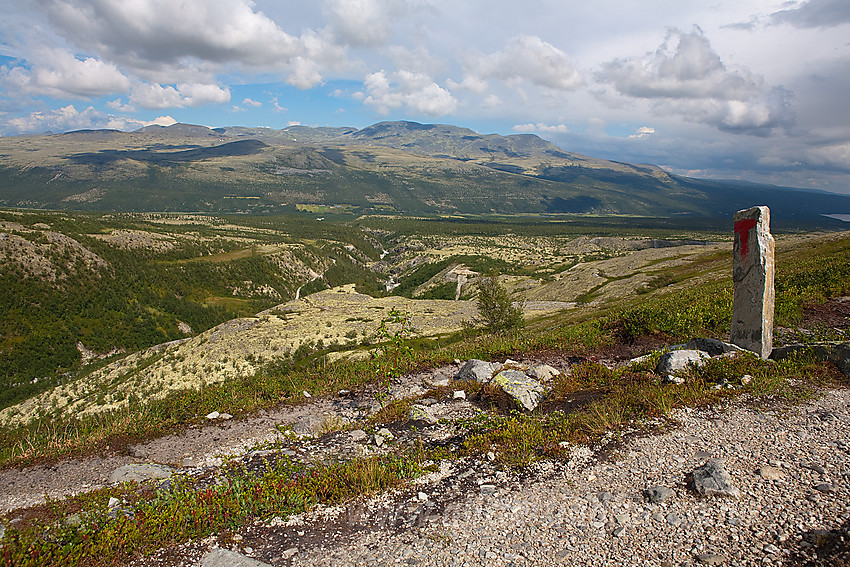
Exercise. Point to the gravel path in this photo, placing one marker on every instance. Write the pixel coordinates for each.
(593, 512)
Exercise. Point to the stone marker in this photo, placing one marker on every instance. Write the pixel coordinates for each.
(752, 273)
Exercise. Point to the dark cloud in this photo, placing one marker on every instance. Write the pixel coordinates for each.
(815, 14)
(685, 76)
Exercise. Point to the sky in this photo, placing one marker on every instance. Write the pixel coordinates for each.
(755, 90)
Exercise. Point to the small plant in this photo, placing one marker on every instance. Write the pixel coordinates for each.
(396, 356)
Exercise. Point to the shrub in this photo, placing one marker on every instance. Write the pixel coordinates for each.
(496, 312)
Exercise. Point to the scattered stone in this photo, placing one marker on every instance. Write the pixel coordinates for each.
(289, 553)
(307, 394)
(746, 379)
(140, 472)
(459, 395)
(771, 473)
(712, 479)
(677, 360)
(421, 413)
(527, 392)
(770, 548)
(673, 519)
(213, 415)
(226, 558)
(113, 503)
(386, 433)
(378, 440)
(357, 435)
(487, 489)
(475, 370)
(658, 493)
(711, 559)
(753, 275)
(422, 497)
(826, 488)
(225, 416)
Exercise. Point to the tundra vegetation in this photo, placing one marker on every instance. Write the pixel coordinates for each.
(586, 290)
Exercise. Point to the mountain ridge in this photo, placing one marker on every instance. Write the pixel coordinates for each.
(391, 167)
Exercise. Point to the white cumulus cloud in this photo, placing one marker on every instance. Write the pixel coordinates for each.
(541, 127)
(154, 95)
(524, 58)
(404, 89)
(69, 118)
(57, 73)
(643, 132)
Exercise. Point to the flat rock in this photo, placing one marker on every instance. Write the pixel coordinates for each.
(771, 473)
(837, 353)
(712, 559)
(140, 472)
(712, 479)
(475, 370)
(526, 391)
(421, 413)
(226, 558)
(676, 360)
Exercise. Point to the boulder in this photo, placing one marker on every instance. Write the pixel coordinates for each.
(676, 360)
(712, 479)
(658, 493)
(475, 370)
(140, 472)
(526, 391)
(543, 372)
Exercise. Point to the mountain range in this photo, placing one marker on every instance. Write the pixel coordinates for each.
(389, 167)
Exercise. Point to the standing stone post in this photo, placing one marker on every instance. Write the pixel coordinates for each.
(752, 274)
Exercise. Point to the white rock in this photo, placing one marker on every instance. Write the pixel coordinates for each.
(213, 415)
(459, 395)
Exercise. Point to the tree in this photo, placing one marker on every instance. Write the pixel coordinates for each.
(496, 312)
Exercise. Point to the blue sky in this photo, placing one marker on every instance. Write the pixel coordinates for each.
(739, 89)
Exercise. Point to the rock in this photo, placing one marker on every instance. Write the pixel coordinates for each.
(658, 493)
(357, 435)
(753, 274)
(527, 392)
(746, 379)
(140, 472)
(837, 353)
(543, 372)
(421, 413)
(771, 473)
(826, 488)
(712, 479)
(618, 532)
(459, 395)
(226, 558)
(475, 370)
(225, 416)
(711, 347)
(673, 519)
(306, 394)
(487, 489)
(386, 433)
(212, 415)
(378, 440)
(676, 360)
(113, 503)
(711, 559)
(289, 553)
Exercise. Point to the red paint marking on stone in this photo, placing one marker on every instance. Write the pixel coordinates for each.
(743, 228)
